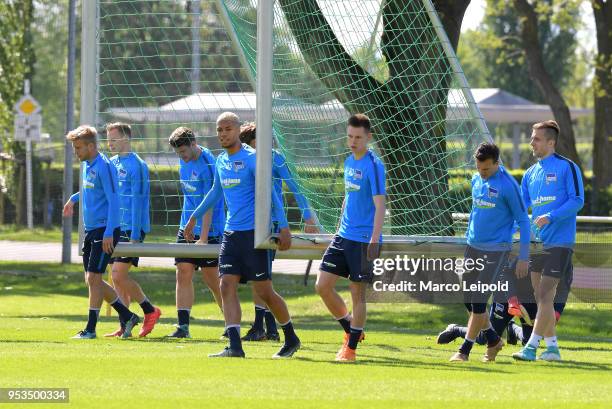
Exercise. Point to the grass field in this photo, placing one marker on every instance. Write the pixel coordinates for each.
(42, 305)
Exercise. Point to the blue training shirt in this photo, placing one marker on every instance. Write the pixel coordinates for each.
(133, 177)
(280, 173)
(197, 177)
(496, 205)
(363, 179)
(100, 197)
(553, 187)
(235, 180)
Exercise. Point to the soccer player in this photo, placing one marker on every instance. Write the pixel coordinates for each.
(196, 170)
(496, 205)
(280, 173)
(101, 220)
(502, 319)
(239, 261)
(553, 189)
(133, 175)
(356, 244)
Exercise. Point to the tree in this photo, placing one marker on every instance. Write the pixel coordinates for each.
(16, 65)
(538, 71)
(602, 142)
(408, 150)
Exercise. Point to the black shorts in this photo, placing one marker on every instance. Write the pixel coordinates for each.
(197, 262)
(95, 259)
(348, 258)
(486, 269)
(125, 238)
(554, 262)
(239, 257)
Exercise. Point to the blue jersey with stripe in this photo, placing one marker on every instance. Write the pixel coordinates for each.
(235, 180)
(553, 187)
(363, 179)
(197, 177)
(133, 181)
(100, 197)
(496, 206)
(281, 173)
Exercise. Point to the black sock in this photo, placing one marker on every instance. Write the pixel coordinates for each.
(260, 312)
(481, 339)
(124, 313)
(270, 323)
(234, 338)
(466, 347)
(290, 336)
(92, 320)
(491, 335)
(354, 337)
(146, 306)
(346, 324)
(183, 317)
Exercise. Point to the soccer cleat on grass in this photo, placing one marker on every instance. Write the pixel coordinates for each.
(149, 322)
(347, 336)
(516, 309)
(346, 354)
(182, 331)
(255, 334)
(448, 335)
(117, 333)
(84, 335)
(273, 336)
(459, 357)
(492, 351)
(228, 353)
(129, 326)
(287, 350)
(528, 353)
(550, 354)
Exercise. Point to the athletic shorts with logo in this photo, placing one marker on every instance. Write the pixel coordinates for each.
(95, 259)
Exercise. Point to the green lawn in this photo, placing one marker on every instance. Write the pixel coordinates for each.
(42, 305)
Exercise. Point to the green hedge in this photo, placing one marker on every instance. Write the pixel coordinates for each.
(165, 192)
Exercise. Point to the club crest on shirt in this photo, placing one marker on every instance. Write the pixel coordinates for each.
(551, 177)
(238, 165)
(194, 175)
(91, 174)
(358, 174)
(493, 192)
(122, 173)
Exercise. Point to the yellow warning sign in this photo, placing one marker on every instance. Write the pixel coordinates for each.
(27, 106)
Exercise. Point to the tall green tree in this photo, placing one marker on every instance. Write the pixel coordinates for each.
(539, 71)
(408, 149)
(16, 65)
(602, 141)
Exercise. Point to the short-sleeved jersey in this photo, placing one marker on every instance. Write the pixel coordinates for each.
(235, 180)
(363, 179)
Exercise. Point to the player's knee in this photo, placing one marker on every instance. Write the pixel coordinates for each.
(93, 279)
(119, 279)
(227, 287)
(544, 295)
(183, 277)
(322, 289)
